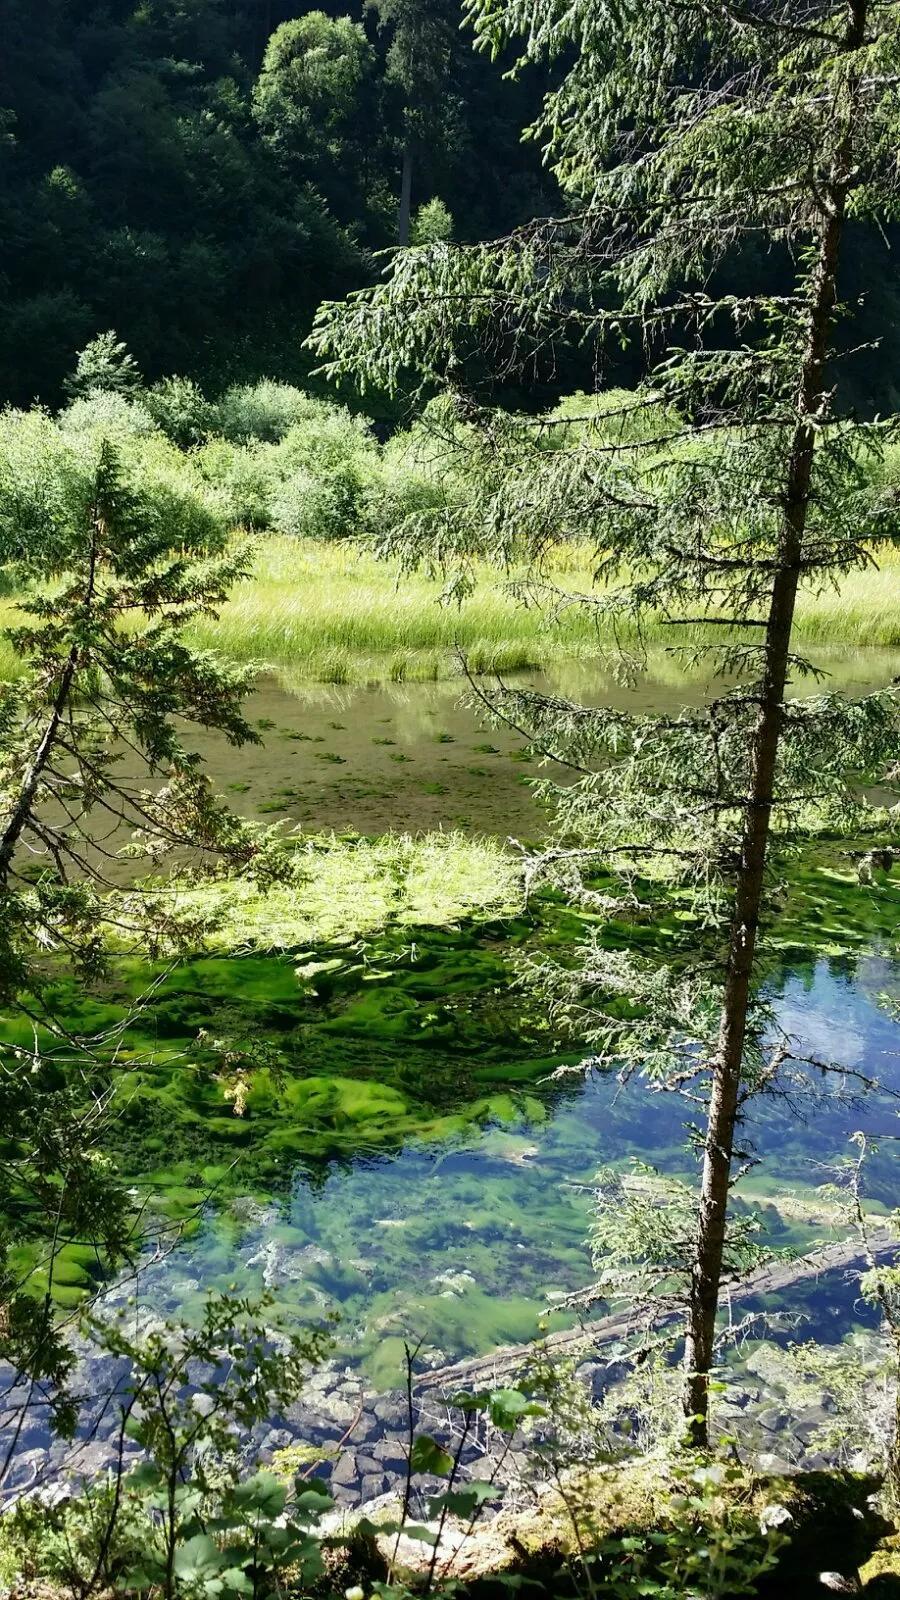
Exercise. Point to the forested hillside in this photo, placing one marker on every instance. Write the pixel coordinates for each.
(200, 174)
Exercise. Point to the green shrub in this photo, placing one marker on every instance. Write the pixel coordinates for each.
(317, 481)
(107, 411)
(180, 408)
(263, 411)
(47, 469)
(240, 481)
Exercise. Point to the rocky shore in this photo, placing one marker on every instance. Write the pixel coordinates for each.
(358, 1440)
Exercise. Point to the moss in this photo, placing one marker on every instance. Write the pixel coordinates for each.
(880, 1574)
(832, 1526)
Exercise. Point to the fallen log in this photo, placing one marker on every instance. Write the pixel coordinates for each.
(501, 1365)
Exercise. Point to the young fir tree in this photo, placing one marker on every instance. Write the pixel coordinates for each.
(94, 772)
(684, 135)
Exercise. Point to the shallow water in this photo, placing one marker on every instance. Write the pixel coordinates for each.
(415, 757)
(463, 1241)
(412, 1168)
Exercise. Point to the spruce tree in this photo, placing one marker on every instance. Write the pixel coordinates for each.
(96, 777)
(683, 135)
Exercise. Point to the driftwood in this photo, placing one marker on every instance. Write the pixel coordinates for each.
(484, 1372)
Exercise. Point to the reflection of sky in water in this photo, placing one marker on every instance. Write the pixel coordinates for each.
(465, 1244)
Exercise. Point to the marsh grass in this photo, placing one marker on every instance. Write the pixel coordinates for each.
(335, 614)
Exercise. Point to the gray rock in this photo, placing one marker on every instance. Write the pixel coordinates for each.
(344, 1472)
(810, 1422)
(365, 1426)
(277, 1439)
(391, 1412)
(313, 1424)
(373, 1484)
(390, 1455)
(773, 1419)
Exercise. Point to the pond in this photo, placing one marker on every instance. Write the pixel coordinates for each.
(404, 1158)
(419, 1173)
(415, 756)
(465, 1236)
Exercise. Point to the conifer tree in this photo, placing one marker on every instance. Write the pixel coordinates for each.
(95, 772)
(682, 134)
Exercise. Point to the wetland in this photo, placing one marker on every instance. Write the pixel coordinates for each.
(352, 1104)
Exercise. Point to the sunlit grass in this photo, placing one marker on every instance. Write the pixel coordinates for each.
(340, 890)
(334, 613)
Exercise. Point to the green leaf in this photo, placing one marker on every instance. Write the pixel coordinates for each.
(414, 1530)
(463, 1502)
(314, 1500)
(428, 1456)
(507, 1407)
(198, 1559)
(263, 1493)
(237, 1581)
(146, 1475)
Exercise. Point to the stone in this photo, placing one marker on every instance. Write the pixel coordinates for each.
(373, 1484)
(365, 1426)
(811, 1422)
(312, 1425)
(277, 1439)
(344, 1472)
(775, 1466)
(392, 1413)
(773, 1419)
(389, 1454)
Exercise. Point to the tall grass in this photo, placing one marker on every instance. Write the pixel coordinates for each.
(333, 613)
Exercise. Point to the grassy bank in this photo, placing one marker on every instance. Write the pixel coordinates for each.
(333, 613)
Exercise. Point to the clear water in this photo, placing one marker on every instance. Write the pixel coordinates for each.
(463, 1243)
(463, 1229)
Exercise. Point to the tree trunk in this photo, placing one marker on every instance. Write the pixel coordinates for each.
(706, 1273)
(405, 216)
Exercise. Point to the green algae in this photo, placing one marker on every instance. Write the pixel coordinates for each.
(351, 1050)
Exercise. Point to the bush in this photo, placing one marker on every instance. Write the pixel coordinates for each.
(423, 469)
(242, 484)
(317, 481)
(179, 407)
(264, 411)
(325, 473)
(40, 485)
(330, 506)
(627, 422)
(47, 469)
(108, 411)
